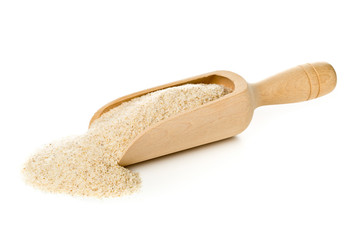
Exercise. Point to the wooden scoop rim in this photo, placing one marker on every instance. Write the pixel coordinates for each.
(239, 85)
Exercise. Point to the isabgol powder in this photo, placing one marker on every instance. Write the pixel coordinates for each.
(86, 165)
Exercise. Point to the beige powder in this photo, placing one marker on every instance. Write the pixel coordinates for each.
(86, 165)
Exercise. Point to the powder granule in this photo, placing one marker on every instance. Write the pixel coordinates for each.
(86, 165)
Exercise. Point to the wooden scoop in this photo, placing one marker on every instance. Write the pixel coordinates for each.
(226, 116)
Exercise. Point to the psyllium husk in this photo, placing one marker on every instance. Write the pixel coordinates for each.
(86, 165)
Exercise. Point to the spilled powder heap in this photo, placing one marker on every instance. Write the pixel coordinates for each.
(86, 165)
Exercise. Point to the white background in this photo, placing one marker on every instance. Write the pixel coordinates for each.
(293, 174)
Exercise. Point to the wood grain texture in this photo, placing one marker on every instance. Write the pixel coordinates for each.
(224, 117)
(301, 83)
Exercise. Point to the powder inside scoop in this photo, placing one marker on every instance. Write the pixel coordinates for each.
(86, 165)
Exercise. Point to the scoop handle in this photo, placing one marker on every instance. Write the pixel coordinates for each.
(301, 83)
